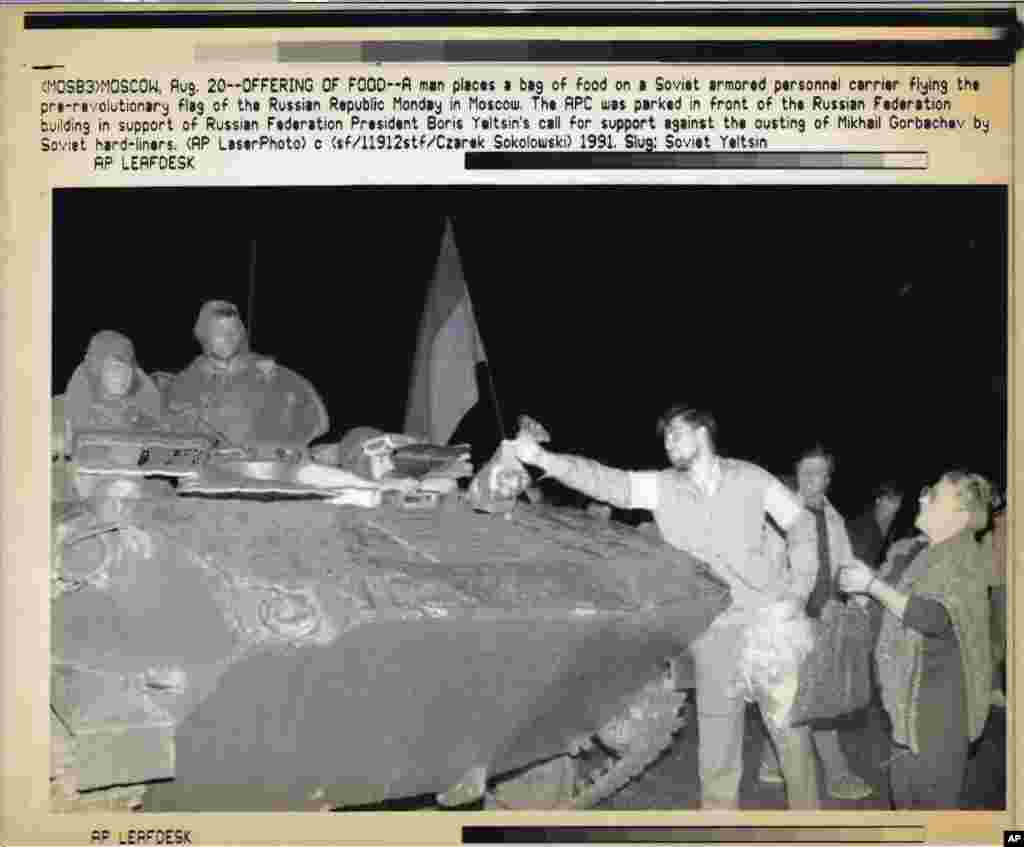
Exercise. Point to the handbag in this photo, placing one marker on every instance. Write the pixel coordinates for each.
(835, 677)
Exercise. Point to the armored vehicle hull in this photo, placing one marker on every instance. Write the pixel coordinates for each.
(237, 655)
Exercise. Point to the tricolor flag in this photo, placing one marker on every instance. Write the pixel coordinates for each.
(443, 387)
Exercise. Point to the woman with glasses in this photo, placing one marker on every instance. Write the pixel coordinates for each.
(933, 653)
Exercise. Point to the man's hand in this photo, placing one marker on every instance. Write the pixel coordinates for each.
(855, 577)
(525, 448)
(788, 607)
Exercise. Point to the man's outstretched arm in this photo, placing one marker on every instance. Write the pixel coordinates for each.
(624, 489)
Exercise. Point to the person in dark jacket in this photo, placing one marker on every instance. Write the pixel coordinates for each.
(107, 391)
(871, 531)
(239, 397)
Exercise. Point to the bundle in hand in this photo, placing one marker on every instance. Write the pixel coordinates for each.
(499, 483)
(835, 678)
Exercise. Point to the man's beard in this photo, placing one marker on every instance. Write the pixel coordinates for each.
(683, 465)
(222, 355)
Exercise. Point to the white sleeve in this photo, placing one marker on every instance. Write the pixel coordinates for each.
(643, 489)
(781, 504)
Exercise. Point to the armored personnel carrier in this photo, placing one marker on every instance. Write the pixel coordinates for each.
(264, 646)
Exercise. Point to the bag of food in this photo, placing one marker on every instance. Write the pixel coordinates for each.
(774, 646)
(835, 678)
(496, 488)
(499, 483)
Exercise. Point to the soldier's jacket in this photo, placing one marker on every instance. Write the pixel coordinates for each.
(85, 407)
(251, 400)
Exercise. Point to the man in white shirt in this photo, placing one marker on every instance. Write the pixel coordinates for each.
(714, 508)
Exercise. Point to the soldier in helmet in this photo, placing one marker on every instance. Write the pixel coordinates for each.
(238, 397)
(108, 390)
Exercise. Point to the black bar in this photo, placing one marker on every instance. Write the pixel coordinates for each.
(536, 192)
(895, 52)
(280, 19)
(709, 160)
(961, 53)
(684, 834)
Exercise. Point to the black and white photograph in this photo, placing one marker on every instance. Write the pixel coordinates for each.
(563, 497)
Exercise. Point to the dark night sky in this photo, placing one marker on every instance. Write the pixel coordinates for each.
(777, 308)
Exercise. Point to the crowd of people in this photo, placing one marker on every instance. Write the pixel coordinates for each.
(936, 601)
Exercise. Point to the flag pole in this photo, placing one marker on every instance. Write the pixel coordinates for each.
(494, 399)
(490, 375)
